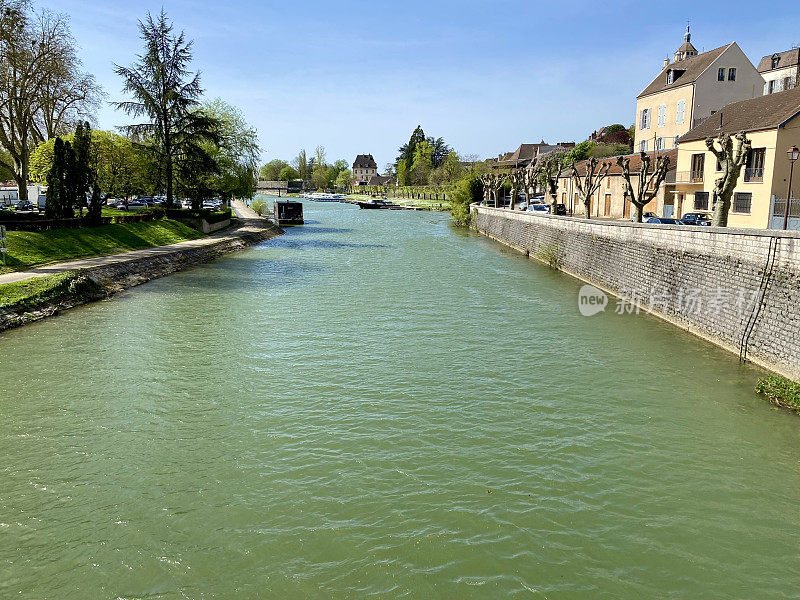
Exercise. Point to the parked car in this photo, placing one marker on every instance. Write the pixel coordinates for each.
(645, 216)
(539, 208)
(696, 218)
(120, 205)
(24, 205)
(561, 210)
(662, 221)
(137, 204)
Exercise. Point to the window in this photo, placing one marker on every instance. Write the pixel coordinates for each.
(721, 74)
(670, 76)
(742, 202)
(698, 162)
(681, 114)
(659, 143)
(787, 83)
(754, 167)
(662, 115)
(644, 122)
(776, 61)
(643, 146)
(701, 200)
(770, 86)
(732, 74)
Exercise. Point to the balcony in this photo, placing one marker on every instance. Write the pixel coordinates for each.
(754, 175)
(689, 177)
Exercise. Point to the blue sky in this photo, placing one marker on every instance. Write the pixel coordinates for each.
(357, 77)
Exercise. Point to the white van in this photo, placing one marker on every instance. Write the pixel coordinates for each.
(9, 196)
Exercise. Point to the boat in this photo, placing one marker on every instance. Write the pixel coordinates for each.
(320, 197)
(376, 204)
(287, 212)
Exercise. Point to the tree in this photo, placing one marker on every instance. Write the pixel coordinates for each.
(548, 169)
(236, 151)
(422, 164)
(319, 156)
(288, 174)
(449, 170)
(166, 92)
(731, 162)
(648, 182)
(301, 164)
(517, 180)
(440, 150)
(41, 86)
(580, 152)
(57, 200)
(271, 171)
(588, 183)
(467, 191)
(343, 179)
(408, 150)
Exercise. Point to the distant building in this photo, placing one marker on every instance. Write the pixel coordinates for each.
(779, 70)
(364, 167)
(527, 153)
(690, 89)
(380, 180)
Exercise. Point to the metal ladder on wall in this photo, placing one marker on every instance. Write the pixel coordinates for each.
(758, 305)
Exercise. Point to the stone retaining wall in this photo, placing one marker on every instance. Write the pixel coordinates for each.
(738, 288)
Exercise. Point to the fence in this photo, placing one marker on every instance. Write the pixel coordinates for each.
(778, 213)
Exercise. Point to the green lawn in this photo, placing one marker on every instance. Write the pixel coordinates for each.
(27, 249)
(36, 288)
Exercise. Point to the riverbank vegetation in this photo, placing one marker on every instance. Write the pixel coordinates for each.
(31, 249)
(780, 391)
(315, 170)
(37, 291)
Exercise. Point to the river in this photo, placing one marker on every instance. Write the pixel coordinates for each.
(375, 405)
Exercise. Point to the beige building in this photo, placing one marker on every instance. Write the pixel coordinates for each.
(772, 123)
(689, 89)
(364, 167)
(779, 71)
(609, 201)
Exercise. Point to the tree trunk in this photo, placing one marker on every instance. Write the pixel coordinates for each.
(587, 206)
(721, 209)
(512, 203)
(639, 211)
(169, 181)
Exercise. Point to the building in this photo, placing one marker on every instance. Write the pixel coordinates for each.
(364, 167)
(609, 201)
(380, 180)
(779, 70)
(772, 124)
(689, 89)
(527, 153)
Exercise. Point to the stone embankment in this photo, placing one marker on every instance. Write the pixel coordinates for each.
(100, 277)
(738, 288)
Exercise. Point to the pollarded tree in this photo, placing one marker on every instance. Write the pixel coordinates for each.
(588, 183)
(531, 179)
(517, 180)
(549, 168)
(649, 181)
(731, 162)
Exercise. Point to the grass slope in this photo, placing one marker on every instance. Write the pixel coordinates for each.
(27, 249)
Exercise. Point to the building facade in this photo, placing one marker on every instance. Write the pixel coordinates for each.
(690, 89)
(772, 124)
(779, 71)
(364, 167)
(609, 202)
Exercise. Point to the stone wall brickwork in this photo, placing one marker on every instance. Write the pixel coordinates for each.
(737, 288)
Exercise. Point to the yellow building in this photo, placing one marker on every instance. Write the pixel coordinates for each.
(689, 89)
(772, 124)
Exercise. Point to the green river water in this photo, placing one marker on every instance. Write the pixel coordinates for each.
(378, 406)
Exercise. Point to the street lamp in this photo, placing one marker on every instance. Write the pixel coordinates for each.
(792, 154)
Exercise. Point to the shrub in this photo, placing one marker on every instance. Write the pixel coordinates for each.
(465, 193)
(157, 212)
(260, 206)
(780, 391)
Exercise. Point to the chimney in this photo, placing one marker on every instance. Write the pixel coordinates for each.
(666, 62)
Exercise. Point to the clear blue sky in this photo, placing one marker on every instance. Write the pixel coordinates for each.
(357, 77)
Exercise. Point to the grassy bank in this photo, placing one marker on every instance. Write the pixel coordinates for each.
(780, 391)
(38, 290)
(29, 249)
